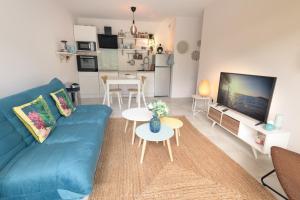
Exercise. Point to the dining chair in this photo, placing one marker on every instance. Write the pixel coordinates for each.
(112, 91)
(134, 91)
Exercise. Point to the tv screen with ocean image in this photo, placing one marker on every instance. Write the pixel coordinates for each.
(248, 94)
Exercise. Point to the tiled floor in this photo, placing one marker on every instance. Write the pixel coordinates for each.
(232, 146)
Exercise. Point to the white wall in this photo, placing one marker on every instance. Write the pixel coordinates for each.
(256, 37)
(165, 33)
(184, 72)
(30, 32)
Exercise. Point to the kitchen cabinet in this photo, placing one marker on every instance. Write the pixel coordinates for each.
(85, 33)
(89, 84)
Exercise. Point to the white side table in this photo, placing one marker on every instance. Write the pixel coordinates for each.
(165, 133)
(136, 115)
(203, 104)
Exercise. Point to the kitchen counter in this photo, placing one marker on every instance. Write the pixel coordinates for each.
(121, 70)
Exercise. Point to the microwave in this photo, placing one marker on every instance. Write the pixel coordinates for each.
(86, 46)
(87, 63)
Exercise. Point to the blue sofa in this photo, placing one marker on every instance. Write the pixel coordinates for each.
(63, 166)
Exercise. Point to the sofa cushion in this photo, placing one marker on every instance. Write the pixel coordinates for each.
(11, 142)
(63, 102)
(80, 133)
(37, 118)
(6, 105)
(41, 171)
(86, 114)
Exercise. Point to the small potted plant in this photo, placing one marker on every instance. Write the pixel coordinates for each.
(159, 109)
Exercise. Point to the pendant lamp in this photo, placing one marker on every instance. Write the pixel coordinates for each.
(133, 29)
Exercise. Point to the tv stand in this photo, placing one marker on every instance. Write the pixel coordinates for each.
(247, 129)
(259, 123)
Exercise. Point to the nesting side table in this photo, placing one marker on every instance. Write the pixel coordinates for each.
(143, 131)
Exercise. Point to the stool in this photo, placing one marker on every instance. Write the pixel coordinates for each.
(173, 123)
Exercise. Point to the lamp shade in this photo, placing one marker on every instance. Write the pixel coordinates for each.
(133, 29)
(204, 88)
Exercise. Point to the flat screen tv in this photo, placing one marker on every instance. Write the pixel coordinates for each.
(247, 94)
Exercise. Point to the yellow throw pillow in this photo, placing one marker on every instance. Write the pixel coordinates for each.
(37, 118)
(63, 102)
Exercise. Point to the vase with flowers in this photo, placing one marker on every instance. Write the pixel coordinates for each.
(159, 109)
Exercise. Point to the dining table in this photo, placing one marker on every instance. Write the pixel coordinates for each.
(124, 81)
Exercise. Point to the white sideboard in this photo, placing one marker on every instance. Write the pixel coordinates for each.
(244, 128)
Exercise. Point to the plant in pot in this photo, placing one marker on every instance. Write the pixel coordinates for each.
(159, 109)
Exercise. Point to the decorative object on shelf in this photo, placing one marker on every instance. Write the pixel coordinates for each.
(159, 109)
(133, 29)
(121, 34)
(269, 126)
(151, 42)
(64, 45)
(195, 55)
(182, 47)
(260, 138)
(204, 88)
(159, 49)
(137, 56)
(278, 121)
(142, 35)
(71, 48)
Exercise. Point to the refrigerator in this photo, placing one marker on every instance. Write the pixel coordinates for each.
(162, 75)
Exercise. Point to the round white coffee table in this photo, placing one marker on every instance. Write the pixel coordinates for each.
(136, 115)
(165, 133)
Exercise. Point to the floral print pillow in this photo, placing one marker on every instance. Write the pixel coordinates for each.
(37, 118)
(63, 102)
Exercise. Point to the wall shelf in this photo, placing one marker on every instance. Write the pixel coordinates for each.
(65, 55)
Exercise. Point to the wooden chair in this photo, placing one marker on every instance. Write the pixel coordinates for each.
(287, 168)
(134, 91)
(113, 91)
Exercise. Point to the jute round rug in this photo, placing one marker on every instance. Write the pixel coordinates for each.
(200, 170)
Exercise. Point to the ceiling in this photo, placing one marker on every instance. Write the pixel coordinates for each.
(148, 10)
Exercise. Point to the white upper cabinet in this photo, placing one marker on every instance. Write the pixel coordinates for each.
(85, 33)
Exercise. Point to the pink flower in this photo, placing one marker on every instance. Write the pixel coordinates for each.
(36, 119)
(63, 103)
